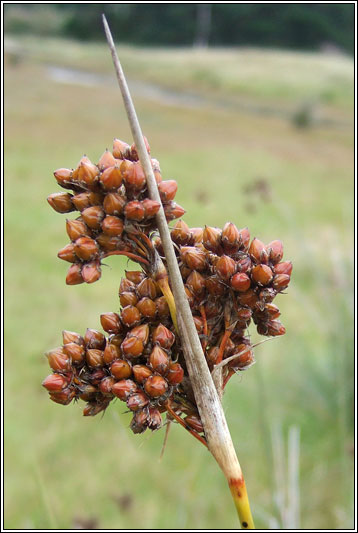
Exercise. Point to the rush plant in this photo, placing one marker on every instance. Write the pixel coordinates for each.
(181, 330)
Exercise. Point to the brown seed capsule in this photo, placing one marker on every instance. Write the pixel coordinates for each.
(134, 153)
(141, 373)
(130, 316)
(245, 359)
(61, 202)
(67, 253)
(86, 199)
(94, 358)
(72, 336)
(272, 310)
(280, 282)
(107, 160)
(121, 150)
(266, 295)
(124, 388)
(258, 251)
(88, 392)
(199, 324)
(111, 353)
(275, 251)
(155, 386)
(275, 328)
(135, 276)
(121, 369)
(163, 336)
(195, 259)
(55, 382)
(196, 283)
(147, 287)
(147, 307)
(196, 234)
(173, 210)
(112, 226)
(230, 238)
(245, 239)
(58, 360)
(139, 421)
(137, 401)
(283, 268)
(111, 178)
(108, 243)
(106, 386)
(134, 210)
(63, 397)
(225, 267)
(190, 296)
(63, 176)
(212, 239)
(91, 272)
(75, 351)
(244, 264)
(110, 322)
(248, 298)
(76, 229)
(175, 374)
(134, 176)
(180, 234)
(240, 282)
(154, 420)
(86, 172)
(215, 286)
(132, 347)
(85, 248)
(93, 408)
(194, 422)
(262, 274)
(162, 307)
(74, 276)
(159, 360)
(93, 216)
(151, 207)
(128, 298)
(114, 203)
(213, 308)
(244, 316)
(126, 285)
(167, 190)
(94, 339)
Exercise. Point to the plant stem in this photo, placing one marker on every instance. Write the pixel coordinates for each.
(209, 406)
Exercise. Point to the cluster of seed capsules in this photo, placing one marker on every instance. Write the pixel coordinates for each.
(136, 363)
(114, 208)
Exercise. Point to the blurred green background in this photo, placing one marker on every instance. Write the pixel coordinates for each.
(259, 137)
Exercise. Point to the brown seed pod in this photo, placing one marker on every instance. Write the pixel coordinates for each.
(280, 282)
(63, 177)
(132, 347)
(180, 234)
(126, 285)
(230, 238)
(257, 250)
(74, 276)
(215, 286)
(141, 373)
(113, 203)
(58, 360)
(75, 351)
(275, 251)
(240, 282)
(111, 353)
(194, 258)
(175, 374)
(134, 210)
(137, 401)
(94, 358)
(155, 386)
(248, 298)
(124, 388)
(86, 199)
(76, 228)
(154, 420)
(72, 336)
(91, 272)
(147, 288)
(61, 202)
(94, 339)
(55, 382)
(121, 150)
(275, 328)
(135, 276)
(68, 253)
(111, 323)
(106, 386)
(85, 248)
(128, 298)
(63, 397)
(262, 274)
(121, 369)
(151, 207)
(111, 178)
(147, 307)
(112, 226)
(163, 336)
(93, 216)
(130, 316)
(167, 190)
(173, 210)
(194, 422)
(283, 268)
(134, 176)
(107, 160)
(225, 267)
(159, 360)
(212, 239)
(196, 283)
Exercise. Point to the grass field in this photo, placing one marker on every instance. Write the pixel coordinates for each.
(62, 469)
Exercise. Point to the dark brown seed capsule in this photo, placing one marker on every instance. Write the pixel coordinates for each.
(215, 286)
(111, 178)
(194, 258)
(107, 160)
(156, 386)
(283, 268)
(76, 229)
(61, 202)
(262, 274)
(267, 295)
(88, 392)
(93, 216)
(94, 339)
(199, 324)
(245, 359)
(134, 210)
(121, 149)
(280, 282)
(137, 401)
(225, 267)
(63, 397)
(248, 298)
(244, 239)
(130, 316)
(75, 351)
(132, 347)
(94, 408)
(106, 386)
(167, 190)
(212, 239)
(111, 323)
(139, 421)
(94, 358)
(55, 382)
(275, 328)
(272, 310)
(113, 203)
(154, 418)
(85, 248)
(240, 282)
(194, 422)
(74, 276)
(67, 253)
(244, 315)
(147, 307)
(275, 251)
(121, 369)
(175, 374)
(124, 388)
(141, 373)
(112, 226)
(244, 264)
(163, 336)
(159, 360)
(162, 307)
(196, 283)
(111, 353)
(58, 360)
(147, 288)
(91, 272)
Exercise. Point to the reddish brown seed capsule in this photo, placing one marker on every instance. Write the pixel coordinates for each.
(258, 251)
(225, 267)
(61, 202)
(114, 203)
(244, 264)
(94, 339)
(215, 286)
(63, 176)
(196, 283)
(76, 229)
(194, 422)
(262, 274)
(248, 298)
(55, 382)
(63, 397)
(175, 374)
(280, 282)
(124, 388)
(86, 199)
(275, 251)
(135, 276)
(141, 332)
(88, 392)
(275, 328)
(162, 307)
(159, 360)
(272, 310)
(86, 172)
(190, 296)
(134, 153)
(180, 234)
(72, 336)
(283, 268)
(196, 234)
(93, 216)
(240, 282)
(154, 420)
(155, 386)
(112, 226)
(91, 272)
(85, 248)
(128, 298)
(173, 210)
(244, 316)
(134, 176)
(134, 210)
(163, 336)
(132, 347)
(147, 287)
(126, 285)
(74, 276)
(244, 239)
(141, 373)
(195, 259)
(245, 359)
(93, 408)
(121, 149)
(230, 237)
(75, 351)
(111, 178)
(199, 324)
(151, 207)
(107, 160)
(212, 239)
(137, 401)
(111, 353)
(130, 316)
(147, 307)
(139, 421)
(67, 253)
(58, 360)
(121, 369)
(94, 358)
(110, 322)
(108, 243)
(167, 190)
(106, 386)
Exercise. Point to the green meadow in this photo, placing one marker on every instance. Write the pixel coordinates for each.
(238, 155)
